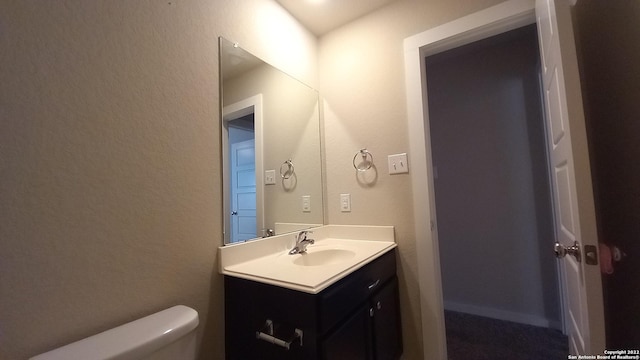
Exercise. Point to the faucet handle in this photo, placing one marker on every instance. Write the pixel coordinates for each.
(302, 235)
(306, 233)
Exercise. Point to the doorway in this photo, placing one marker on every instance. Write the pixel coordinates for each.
(574, 215)
(493, 197)
(242, 158)
(242, 171)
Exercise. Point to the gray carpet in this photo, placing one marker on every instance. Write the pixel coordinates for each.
(471, 337)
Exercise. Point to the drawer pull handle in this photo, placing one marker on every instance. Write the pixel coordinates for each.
(266, 334)
(372, 286)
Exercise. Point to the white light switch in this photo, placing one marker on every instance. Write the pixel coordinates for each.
(398, 164)
(306, 203)
(345, 202)
(270, 177)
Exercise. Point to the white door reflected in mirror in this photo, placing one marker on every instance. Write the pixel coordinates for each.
(242, 159)
(243, 190)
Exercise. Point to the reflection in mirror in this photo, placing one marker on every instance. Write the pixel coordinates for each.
(270, 149)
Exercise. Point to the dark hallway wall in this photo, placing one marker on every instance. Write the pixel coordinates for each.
(608, 38)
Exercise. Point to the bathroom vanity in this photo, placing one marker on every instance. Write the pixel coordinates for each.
(332, 297)
(337, 301)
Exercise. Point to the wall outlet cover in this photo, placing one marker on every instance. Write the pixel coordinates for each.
(345, 202)
(270, 177)
(306, 203)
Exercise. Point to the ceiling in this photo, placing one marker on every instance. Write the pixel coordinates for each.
(322, 16)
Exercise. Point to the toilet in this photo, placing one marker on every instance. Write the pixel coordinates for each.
(166, 335)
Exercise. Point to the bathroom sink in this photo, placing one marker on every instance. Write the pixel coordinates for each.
(338, 250)
(323, 257)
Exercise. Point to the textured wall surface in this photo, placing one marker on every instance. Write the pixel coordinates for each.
(109, 160)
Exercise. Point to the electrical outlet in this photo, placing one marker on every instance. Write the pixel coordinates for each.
(345, 202)
(306, 203)
(398, 164)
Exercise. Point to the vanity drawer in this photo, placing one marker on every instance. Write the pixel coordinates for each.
(340, 299)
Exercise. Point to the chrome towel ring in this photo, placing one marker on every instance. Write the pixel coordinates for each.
(367, 163)
(287, 172)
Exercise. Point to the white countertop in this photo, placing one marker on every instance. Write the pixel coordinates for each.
(268, 260)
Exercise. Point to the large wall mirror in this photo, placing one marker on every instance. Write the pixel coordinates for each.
(270, 149)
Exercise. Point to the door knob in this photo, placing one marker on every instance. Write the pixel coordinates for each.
(234, 213)
(562, 251)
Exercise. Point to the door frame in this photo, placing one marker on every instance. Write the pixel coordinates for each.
(232, 112)
(494, 20)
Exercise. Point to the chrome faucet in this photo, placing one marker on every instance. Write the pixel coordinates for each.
(268, 232)
(301, 243)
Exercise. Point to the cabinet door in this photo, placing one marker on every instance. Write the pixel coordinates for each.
(387, 337)
(248, 304)
(351, 340)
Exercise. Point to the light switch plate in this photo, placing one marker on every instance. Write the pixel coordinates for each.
(270, 177)
(398, 164)
(306, 203)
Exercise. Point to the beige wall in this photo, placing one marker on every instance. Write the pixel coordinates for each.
(362, 82)
(109, 159)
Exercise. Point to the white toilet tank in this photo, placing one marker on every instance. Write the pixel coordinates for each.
(166, 335)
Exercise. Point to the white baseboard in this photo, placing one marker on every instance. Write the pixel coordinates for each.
(512, 316)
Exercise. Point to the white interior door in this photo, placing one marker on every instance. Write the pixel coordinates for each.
(571, 175)
(243, 191)
(231, 113)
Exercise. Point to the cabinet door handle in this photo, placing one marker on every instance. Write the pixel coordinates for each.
(269, 337)
(371, 312)
(374, 284)
(379, 305)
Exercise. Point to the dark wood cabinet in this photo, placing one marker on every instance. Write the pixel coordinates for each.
(351, 340)
(355, 318)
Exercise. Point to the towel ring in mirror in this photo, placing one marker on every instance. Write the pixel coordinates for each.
(287, 172)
